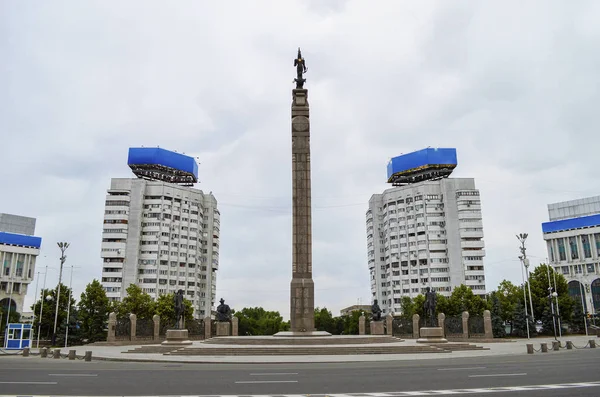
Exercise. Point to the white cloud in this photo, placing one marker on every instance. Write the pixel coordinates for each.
(513, 86)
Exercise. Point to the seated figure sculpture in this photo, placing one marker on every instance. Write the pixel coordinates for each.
(223, 312)
(376, 311)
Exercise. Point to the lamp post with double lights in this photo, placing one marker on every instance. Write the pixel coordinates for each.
(63, 247)
(525, 262)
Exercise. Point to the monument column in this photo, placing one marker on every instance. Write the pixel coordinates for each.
(302, 300)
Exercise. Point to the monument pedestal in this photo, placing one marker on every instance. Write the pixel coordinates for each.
(377, 328)
(223, 328)
(432, 335)
(177, 337)
(301, 334)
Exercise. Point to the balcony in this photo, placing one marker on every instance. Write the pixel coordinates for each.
(470, 234)
(437, 247)
(472, 244)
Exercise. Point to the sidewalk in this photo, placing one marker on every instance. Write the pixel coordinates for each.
(513, 347)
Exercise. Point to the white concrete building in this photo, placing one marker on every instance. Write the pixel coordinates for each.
(425, 234)
(573, 241)
(159, 235)
(19, 249)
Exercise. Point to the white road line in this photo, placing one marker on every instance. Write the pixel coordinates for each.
(460, 369)
(490, 375)
(30, 383)
(274, 373)
(267, 381)
(72, 374)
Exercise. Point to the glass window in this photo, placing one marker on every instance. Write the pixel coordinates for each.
(561, 249)
(597, 238)
(587, 250)
(573, 248)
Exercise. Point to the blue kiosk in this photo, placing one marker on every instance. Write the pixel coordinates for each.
(18, 336)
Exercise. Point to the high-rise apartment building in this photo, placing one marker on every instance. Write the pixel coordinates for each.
(573, 241)
(159, 232)
(425, 231)
(19, 249)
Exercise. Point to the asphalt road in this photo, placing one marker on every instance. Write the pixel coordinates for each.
(36, 376)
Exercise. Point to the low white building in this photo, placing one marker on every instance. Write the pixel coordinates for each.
(19, 249)
(573, 241)
(425, 232)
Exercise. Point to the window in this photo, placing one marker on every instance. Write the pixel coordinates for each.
(562, 254)
(587, 250)
(573, 248)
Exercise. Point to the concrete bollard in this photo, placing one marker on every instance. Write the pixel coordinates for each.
(592, 344)
(26, 352)
(569, 345)
(555, 345)
(530, 348)
(56, 353)
(72, 355)
(88, 356)
(544, 347)
(44, 352)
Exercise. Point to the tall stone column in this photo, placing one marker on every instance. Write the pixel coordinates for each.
(302, 300)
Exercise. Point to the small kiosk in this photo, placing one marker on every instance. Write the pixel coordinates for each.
(18, 336)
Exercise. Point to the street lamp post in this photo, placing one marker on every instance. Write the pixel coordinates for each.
(555, 294)
(63, 247)
(12, 286)
(41, 307)
(525, 298)
(522, 237)
(69, 306)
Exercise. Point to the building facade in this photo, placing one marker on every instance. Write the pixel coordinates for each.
(573, 242)
(163, 237)
(427, 233)
(19, 249)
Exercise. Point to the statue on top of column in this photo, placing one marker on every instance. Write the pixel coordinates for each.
(301, 68)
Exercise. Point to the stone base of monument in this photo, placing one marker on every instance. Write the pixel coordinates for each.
(432, 335)
(377, 328)
(177, 337)
(294, 334)
(223, 328)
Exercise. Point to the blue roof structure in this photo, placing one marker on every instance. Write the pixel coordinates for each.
(163, 165)
(20, 240)
(571, 223)
(425, 164)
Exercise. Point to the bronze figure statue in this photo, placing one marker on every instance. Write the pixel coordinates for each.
(429, 307)
(376, 311)
(301, 68)
(223, 312)
(179, 309)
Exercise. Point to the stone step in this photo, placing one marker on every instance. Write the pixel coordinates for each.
(327, 341)
(291, 351)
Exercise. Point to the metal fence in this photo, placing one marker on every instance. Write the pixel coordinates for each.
(213, 328)
(195, 328)
(453, 327)
(476, 327)
(144, 328)
(123, 329)
(402, 327)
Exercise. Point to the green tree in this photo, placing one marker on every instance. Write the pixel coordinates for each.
(463, 299)
(498, 329)
(407, 307)
(165, 308)
(509, 296)
(258, 321)
(538, 279)
(136, 302)
(93, 312)
(324, 321)
(47, 320)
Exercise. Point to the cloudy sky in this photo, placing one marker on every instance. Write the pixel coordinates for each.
(511, 84)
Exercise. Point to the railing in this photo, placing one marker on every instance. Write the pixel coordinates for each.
(476, 327)
(195, 329)
(144, 329)
(453, 327)
(123, 329)
(402, 327)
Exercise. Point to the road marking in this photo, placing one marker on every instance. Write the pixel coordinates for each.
(274, 373)
(267, 381)
(508, 389)
(72, 374)
(490, 375)
(30, 383)
(460, 369)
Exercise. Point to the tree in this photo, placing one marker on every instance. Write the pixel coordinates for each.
(539, 292)
(93, 312)
(136, 302)
(324, 321)
(407, 307)
(47, 320)
(258, 321)
(165, 308)
(498, 329)
(509, 296)
(463, 299)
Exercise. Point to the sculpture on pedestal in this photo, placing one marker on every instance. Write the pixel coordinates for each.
(179, 309)
(301, 68)
(429, 307)
(223, 312)
(376, 311)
